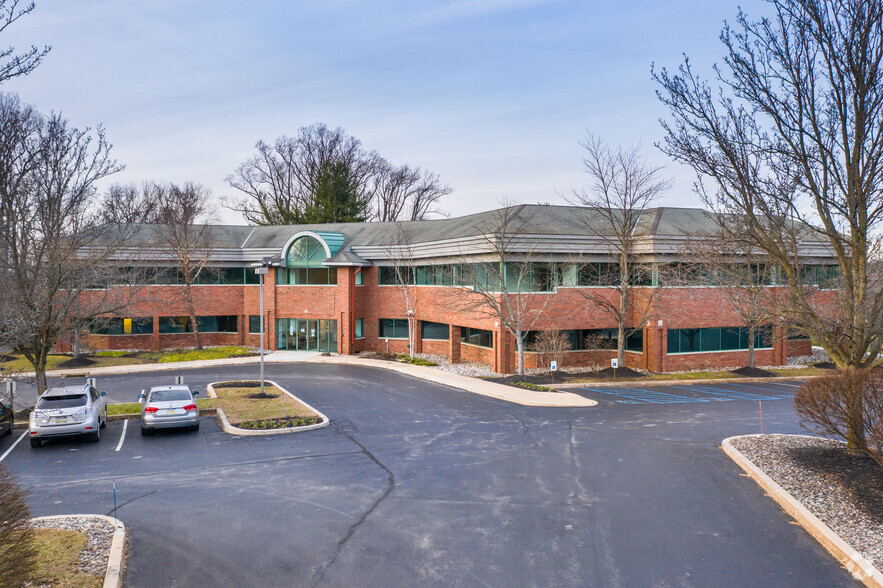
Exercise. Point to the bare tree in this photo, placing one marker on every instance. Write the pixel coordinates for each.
(790, 134)
(624, 187)
(400, 251)
(280, 181)
(405, 193)
(511, 285)
(552, 346)
(183, 226)
(130, 204)
(55, 256)
(12, 64)
(738, 272)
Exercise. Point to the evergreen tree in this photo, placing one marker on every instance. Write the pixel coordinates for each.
(337, 198)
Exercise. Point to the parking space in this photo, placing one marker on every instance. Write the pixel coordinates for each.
(689, 393)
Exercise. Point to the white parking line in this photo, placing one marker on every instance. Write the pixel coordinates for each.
(123, 436)
(17, 441)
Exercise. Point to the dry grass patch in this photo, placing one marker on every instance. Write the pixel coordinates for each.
(244, 403)
(57, 554)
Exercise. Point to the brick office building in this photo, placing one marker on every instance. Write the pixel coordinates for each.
(332, 288)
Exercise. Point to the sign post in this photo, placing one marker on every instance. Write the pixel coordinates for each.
(553, 367)
(614, 363)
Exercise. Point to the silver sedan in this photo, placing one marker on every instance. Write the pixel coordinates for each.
(168, 407)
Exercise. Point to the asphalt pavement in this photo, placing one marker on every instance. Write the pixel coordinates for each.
(419, 484)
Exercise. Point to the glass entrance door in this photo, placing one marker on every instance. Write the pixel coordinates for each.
(306, 335)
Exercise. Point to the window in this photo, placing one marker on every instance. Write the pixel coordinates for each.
(436, 331)
(122, 326)
(306, 251)
(593, 339)
(360, 328)
(175, 324)
(307, 276)
(393, 329)
(479, 337)
(254, 324)
(218, 324)
(207, 324)
(717, 339)
(359, 279)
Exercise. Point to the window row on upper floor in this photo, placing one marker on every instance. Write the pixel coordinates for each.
(547, 276)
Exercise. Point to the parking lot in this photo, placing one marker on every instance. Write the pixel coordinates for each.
(416, 483)
(681, 393)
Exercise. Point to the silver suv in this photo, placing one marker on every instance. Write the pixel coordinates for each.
(67, 411)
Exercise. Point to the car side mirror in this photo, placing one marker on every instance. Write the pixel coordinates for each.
(196, 392)
(8, 407)
(104, 393)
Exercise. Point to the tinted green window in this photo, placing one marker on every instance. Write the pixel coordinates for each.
(717, 339)
(360, 328)
(122, 326)
(218, 324)
(307, 276)
(393, 329)
(306, 251)
(175, 324)
(254, 324)
(479, 337)
(360, 278)
(593, 339)
(438, 331)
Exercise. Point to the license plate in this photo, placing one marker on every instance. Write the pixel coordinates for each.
(60, 420)
(170, 411)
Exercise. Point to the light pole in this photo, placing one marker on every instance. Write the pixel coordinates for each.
(263, 271)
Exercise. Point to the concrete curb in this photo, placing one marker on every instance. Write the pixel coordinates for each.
(568, 385)
(860, 568)
(469, 384)
(228, 428)
(113, 578)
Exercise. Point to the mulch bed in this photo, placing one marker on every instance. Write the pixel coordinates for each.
(261, 395)
(752, 372)
(79, 362)
(860, 475)
(825, 365)
(562, 376)
(249, 384)
(278, 423)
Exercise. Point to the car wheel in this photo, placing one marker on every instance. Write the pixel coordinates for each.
(9, 430)
(96, 436)
(36, 442)
(195, 427)
(104, 422)
(145, 432)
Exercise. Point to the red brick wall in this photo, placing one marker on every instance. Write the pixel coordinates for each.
(567, 309)
(799, 347)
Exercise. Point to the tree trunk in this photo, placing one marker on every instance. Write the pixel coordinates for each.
(519, 344)
(855, 424)
(191, 311)
(76, 343)
(751, 332)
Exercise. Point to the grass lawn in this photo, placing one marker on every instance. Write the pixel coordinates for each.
(240, 408)
(112, 358)
(135, 407)
(57, 554)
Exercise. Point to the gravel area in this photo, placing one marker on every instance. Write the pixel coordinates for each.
(843, 491)
(93, 559)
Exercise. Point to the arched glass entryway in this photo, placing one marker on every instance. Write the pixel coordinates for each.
(304, 259)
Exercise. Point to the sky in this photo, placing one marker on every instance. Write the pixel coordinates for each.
(491, 95)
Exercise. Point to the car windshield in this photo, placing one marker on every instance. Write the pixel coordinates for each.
(66, 401)
(167, 395)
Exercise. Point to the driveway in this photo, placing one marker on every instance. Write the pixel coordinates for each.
(416, 483)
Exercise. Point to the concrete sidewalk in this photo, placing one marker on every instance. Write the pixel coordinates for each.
(274, 357)
(474, 385)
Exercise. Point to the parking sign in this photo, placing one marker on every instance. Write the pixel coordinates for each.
(553, 365)
(614, 363)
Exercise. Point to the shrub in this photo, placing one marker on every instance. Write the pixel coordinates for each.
(421, 361)
(847, 405)
(111, 354)
(530, 386)
(17, 550)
